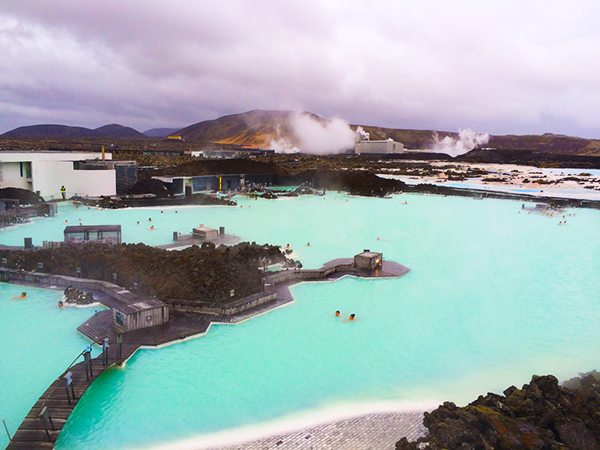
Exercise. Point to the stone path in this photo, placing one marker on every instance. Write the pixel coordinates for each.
(370, 432)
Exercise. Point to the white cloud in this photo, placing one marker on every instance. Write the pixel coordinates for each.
(505, 66)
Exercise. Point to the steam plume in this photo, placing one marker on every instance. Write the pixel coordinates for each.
(314, 136)
(467, 141)
(362, 134)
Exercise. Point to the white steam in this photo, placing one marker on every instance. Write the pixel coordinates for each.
(467, 141)
(282, 144)
(362, 134)
(315, 136)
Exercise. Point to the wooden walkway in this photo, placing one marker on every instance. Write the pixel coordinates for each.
(39, 433)
(32, 433)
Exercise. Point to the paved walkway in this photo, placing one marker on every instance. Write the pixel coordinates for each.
(370, 432)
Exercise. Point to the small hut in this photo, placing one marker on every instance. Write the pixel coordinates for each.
(143, 314)
(110, 234)
(368, 260)
(206, 234)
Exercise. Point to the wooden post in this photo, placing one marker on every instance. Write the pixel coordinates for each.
(68, 379)
(87, 357)
(45, 416)
(119, 346)
(7, 433)
(105, 346)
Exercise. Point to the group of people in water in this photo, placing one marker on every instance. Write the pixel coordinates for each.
(352, 317)
(23, 296)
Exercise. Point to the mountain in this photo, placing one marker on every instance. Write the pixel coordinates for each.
(259, 128)
(47, 131)
(116, 130)
(254, 128)
(160, 132)
(65, 131)
(551, 143)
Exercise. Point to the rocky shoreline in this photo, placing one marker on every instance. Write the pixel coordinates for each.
(146, 200)
(541, 415)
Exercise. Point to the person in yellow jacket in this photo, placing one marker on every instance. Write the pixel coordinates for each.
(63, 191)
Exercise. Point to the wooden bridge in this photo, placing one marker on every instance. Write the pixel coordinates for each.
(43, 424)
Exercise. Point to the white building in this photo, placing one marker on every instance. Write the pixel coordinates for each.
(46, 172)
(378, 147)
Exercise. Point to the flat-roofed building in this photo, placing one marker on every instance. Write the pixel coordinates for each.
(46, 171)
(378, 147)
(188, 185)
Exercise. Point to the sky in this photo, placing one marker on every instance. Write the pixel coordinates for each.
(495, 66)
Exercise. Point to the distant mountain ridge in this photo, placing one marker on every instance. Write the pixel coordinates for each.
(66, 131)
(259, 128)
(160, 132)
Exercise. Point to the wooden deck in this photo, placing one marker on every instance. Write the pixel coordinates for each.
(181, 326)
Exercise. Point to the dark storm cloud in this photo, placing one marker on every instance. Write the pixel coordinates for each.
(499, 66)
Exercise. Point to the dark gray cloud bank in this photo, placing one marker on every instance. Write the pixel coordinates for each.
(501, 66)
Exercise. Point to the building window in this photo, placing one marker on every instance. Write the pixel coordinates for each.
(21, 167)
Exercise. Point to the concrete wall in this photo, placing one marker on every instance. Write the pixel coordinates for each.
(49, 176)
(10, 175)
(51, 170)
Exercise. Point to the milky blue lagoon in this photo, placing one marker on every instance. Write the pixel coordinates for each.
(38, 341)
(493, 296)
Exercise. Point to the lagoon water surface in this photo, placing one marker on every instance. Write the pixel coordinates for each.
(38, 341)
(494, 295)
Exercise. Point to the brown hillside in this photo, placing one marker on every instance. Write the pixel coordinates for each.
(254, 128)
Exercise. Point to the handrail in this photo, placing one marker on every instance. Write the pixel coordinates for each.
(63, 374)
(58, 196)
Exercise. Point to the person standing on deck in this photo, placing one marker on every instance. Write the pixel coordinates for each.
(63, 191)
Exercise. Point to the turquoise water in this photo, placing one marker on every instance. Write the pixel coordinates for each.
(493, 296)
(37, 343)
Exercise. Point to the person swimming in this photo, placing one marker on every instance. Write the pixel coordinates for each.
(352, 318)
(337, 314)
(23, 296)
(61, 304)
